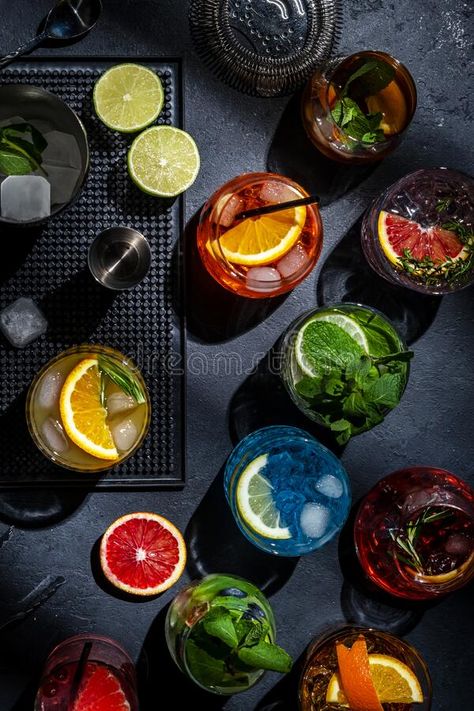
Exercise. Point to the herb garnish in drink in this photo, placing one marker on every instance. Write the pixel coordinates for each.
(21, 149)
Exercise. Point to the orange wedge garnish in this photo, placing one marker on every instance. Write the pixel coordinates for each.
(391, 103)
(84, 417)
(356, 680)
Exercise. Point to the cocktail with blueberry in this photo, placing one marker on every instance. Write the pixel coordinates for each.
(259, 256)
(414, 533)
(289, 494)
(221, 633)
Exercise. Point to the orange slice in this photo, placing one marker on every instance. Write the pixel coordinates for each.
(83, 416)
(391, 103)
(394, 682)
(142, 554)
(356, 680)
(264, 239)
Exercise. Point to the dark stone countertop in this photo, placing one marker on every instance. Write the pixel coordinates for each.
(432, 425)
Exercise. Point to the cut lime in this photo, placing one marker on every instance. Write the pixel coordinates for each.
(255, 502)
(163, 161)
(349, 325)
(128, 97)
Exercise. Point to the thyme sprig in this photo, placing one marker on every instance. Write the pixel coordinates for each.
(406, 541)
(121, 377)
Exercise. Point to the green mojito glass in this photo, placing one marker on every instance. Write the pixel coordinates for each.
(345, 366)
(220, 631)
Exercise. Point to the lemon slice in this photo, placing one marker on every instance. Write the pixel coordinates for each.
(128, 97)
(163, 161)
(83, 416)
(264, 239)
(255, 502)
(348, 324)
(394, 682)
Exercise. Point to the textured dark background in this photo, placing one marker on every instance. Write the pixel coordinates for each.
(432, 425)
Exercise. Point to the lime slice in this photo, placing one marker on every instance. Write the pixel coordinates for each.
(163, 161)
(346, 323)
(128, 97)
(255, 502)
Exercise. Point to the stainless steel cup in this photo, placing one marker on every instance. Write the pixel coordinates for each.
(119, 258)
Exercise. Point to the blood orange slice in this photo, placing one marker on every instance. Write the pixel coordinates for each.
(142, 554)
(100, 690)
(397, 234)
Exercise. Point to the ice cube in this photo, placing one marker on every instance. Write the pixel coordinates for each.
(22, 322)
(274, 192)
(54, 436)
(330, 486)
(118, 402)
(125, 434)
(25, 197)
(293, 261)
(50, 389)
(63, 163)
(457, 544)
(263, 279)
(314, 519)
(227, 208)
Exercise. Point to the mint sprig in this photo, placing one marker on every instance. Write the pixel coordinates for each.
(370, 78)
(21, 149)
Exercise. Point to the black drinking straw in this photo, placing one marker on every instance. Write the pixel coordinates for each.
(86, 650)
(276, 207)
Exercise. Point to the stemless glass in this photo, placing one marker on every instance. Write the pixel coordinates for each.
(307, 496)
(322, 91)
(129, 419)
(414, 533)
(321, 664)
(381, 339)
(106, 669)
(420, 232)
(220, 214)
(185, 633)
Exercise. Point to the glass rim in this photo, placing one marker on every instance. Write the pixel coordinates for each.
(33, 429)
(393, 62)
(249, 179)
(85, 637)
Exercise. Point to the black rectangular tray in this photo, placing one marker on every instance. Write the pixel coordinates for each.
(50, 266)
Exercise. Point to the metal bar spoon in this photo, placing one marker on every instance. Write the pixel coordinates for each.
(67, 20)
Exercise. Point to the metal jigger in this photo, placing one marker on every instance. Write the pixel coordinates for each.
(119, 258)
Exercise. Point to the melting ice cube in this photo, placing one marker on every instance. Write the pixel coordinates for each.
(457, 544)
(293, 261)
(50, 389)
(274, 192)
(263, 279)
(119, 402)
(125, 434)
(22, 322)
(63, 163)
(25, 197)
(54, 436)
(230, 207)
(330, 486)
(314, 520)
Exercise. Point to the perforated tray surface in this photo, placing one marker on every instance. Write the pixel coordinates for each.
(50, 266)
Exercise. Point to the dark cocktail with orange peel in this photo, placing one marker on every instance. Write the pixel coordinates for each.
(262, 255)
(363, 670)
(356, 109)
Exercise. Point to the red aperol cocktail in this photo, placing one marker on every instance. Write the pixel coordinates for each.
(414, 533)
(260, 256)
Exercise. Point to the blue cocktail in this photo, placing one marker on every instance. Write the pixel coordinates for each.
(288, 493)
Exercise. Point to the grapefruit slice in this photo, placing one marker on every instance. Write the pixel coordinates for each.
(397, 233)
(356, 680)
(100, 690)
(142, 554)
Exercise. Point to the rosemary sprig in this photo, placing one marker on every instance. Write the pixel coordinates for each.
(443, 204)
(406, 541)
(121, 377)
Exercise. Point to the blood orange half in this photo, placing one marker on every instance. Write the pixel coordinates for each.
(100, 690)
(397, 234)
(142, 554)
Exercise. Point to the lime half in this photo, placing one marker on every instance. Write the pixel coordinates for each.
(349, 325)
(163, 161)
(255, 502)
(128, 97)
